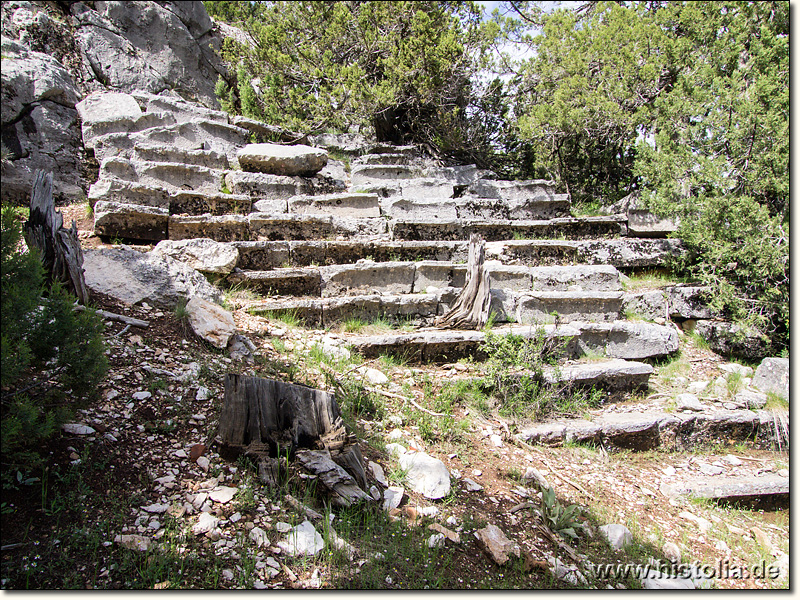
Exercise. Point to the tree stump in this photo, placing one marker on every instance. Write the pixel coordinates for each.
(471, 308)
(276, 422)
(60, 249)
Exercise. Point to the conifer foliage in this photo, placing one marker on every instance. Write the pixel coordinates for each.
(53, 358)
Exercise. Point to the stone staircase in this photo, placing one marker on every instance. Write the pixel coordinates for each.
(385, 238)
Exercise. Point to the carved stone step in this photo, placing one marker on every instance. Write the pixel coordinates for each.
(393, 277)
(547, 307)
(112, 189)
(271, 227)
(620, 252)
(628, 340)
(409, 207)
(130, 221)
(196, 134)
(105, 134)
(615, 376)
(766, 492)
(269, 255)
(648, 430)
(326, 312)
(169, 175)
(179, 108)
(512, 190)
(444, 345)
(348, 205)
(267, 186)
(439, 345)
(494, 230)
(370, 173)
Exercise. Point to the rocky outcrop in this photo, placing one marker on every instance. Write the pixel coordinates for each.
(150, 46)
(39, 123)
(51, 59)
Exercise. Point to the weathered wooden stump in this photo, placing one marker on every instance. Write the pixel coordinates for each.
(276, 422)
(62, 256)
(471, 308)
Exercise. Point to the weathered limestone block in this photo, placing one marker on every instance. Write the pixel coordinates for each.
(533, 252)
(422, 210)
(257, 256)
(650, 304)
(263, 185)
(512, 190)
(730, 339)
(509, 277)
(104, 112)
(368, 277)
(438, 274)
(173, 176)
(280, 282)
(225, 228)
(772, 375)
(630, 252)
(688, 302)
(417, 188)
(208, 202)
(575, 278)
(615, 374)
(369, 174)
(628, 340)
(115, 219)
(643, 223)
(271, 205)
(336, 310)
(113, 189)
(352, 205)
(203, 254)
(269, 227)
(282, 160)
(178, 107)
(194, 135)
(210, 321)
(570, 306)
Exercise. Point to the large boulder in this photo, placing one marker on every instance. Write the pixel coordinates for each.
(134, 277)
(282, 160)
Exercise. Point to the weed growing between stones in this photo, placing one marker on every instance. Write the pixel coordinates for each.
(515, 377)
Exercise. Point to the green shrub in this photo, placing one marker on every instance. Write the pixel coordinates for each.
(741, 251)
(53, 358)
(515, 372)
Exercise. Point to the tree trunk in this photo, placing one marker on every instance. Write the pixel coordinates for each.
(471, 308)
(276, 422)
(61, 252)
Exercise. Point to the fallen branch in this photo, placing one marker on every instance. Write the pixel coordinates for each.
(109, 316)
(569, 481)
(385, 393)
(404, 398)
